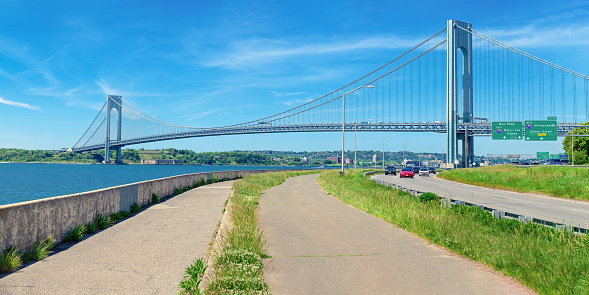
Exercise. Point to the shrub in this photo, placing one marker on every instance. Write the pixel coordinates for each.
(135, 208)
(427, 197)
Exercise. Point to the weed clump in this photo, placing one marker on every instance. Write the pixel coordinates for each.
(10, 259)
(75, 235)
(155, 198)
(135, 208)
(41, 249)
(193, 277)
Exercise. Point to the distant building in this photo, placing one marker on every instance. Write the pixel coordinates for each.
(374, 159)
(334, 159)
(349, 161)
(160, 162)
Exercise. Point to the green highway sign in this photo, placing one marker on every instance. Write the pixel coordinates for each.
(540, 130)
(506, 130)
(551, 118)
(553, 156)
(542, 156)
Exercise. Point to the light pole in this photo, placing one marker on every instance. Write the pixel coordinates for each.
(404, 159)
(383, 149)
(420, 154)
(344, 120)
(355, 124)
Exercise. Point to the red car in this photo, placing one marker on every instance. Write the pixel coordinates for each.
(407, 172)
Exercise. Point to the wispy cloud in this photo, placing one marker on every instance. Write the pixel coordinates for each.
(259, 51)
(293, 102)
(569, 28)
(194, 116)
(282, 94)
(19, 104)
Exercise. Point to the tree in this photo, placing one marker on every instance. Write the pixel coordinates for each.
(581, 148)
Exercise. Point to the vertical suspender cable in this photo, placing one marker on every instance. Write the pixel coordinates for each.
(552, 104)
(562, 98)
(574, 98)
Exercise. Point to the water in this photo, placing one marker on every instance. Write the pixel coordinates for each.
(20, 182)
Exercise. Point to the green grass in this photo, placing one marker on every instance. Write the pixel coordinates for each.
(238, 266)
(544, 259)
(193, 277)
(557, 181)
(10, 259)
(41, 249)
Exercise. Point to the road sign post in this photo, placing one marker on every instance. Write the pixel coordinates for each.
(540, 130)
(506, 130)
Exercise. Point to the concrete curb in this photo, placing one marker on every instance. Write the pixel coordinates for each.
(224, 227)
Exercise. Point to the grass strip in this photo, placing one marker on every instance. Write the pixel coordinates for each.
(544, 259)
(557, 181)
(238, 266)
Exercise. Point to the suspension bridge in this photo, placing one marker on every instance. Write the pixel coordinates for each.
(456, 82)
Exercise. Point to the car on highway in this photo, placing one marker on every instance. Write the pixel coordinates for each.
(390, 170)
(554, 162)
(432, 170)
(423, 171)
(416, 169)
(406, 172)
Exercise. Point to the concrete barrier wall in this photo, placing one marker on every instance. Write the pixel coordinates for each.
(23, 224)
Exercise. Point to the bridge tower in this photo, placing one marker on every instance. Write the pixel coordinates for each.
(113, 102)
(459, 39)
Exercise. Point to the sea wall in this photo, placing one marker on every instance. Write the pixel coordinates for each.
(22, 224)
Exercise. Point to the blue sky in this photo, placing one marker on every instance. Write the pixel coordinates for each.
(215, 63)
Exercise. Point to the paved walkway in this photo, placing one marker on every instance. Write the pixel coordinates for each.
(319, 245)
(145, 254)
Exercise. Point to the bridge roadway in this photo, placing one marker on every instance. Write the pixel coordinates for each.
(144, 254)
(539, 206)
(473, 129)
(319, 245)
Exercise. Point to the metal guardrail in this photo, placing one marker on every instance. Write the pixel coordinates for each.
(495, 212)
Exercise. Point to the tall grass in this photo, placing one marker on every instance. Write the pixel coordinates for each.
(546, 260)
(238, 266)
(557, 181)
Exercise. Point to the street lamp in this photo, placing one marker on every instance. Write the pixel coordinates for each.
(344, 120)
(383, 149)
(420, 154)
(404, 159)
(355, 124)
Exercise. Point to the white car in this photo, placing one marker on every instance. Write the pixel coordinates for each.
(423, 171)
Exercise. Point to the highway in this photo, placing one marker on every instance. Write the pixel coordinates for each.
(575, 213)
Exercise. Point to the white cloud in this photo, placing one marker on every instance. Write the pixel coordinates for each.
(281, 94)
(19, 104)
(259, 51)
(569, 28)
(293, 102)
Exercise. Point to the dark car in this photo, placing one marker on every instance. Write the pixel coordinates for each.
(390, 170)
(432, 170)
(416, 169)
(406, 172)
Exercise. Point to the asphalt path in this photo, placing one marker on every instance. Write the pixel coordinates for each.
(320, 245)
(575, 213)
(144, 254)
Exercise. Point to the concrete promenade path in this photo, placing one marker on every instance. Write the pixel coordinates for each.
(319, 245)
(144, 254)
